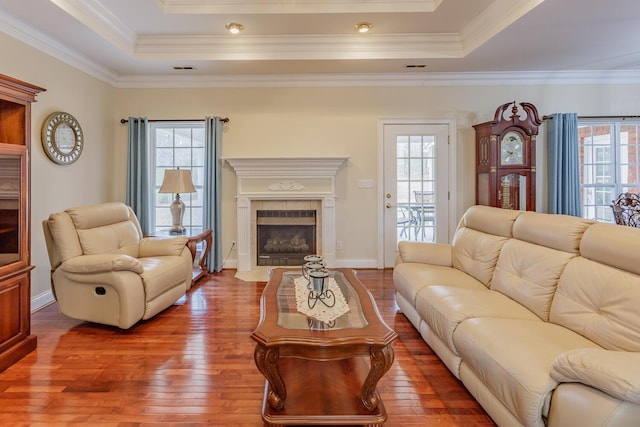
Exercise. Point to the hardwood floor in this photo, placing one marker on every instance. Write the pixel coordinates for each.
(192, 365)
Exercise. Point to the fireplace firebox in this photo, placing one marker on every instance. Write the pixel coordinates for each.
(285, 237)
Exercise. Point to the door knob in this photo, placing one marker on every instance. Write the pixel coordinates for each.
(389, 205)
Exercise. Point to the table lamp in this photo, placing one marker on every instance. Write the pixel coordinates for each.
(177, 181)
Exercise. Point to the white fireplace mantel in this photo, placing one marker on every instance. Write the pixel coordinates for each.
(288, 178)
(285, 166)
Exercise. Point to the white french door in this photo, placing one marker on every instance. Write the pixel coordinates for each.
(415, 184)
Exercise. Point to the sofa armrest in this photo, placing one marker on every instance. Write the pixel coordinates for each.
(425, 253)
(102, 263)
(615, 372)
(162, 246)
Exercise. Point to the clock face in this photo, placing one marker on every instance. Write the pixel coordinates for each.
(62, 138)
(512, 149)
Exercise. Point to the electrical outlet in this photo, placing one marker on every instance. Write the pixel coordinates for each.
(233, 244)
(339, 245)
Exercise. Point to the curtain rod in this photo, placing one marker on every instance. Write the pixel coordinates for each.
(225, 120)
(599, 117)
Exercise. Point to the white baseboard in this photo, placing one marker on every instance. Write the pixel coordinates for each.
(356, 263)
(230, 263)
(41, 301)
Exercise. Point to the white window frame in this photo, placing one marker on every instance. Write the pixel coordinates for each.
(598, 188)
(193, 219)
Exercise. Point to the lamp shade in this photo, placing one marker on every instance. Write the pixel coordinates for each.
(177, 181)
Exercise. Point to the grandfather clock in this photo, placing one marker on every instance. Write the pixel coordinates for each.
(506, 158)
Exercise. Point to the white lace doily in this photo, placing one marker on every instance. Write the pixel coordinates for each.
(320, 311)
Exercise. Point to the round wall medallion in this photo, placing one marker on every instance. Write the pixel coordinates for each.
(62, 138)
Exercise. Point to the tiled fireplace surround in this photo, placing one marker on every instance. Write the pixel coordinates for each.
(266, 183)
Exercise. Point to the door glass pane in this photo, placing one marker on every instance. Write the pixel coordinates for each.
(416, 181)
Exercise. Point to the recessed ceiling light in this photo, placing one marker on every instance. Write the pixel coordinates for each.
(363, 27)
(234, 27)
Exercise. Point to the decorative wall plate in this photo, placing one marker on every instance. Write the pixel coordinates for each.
(62, 138)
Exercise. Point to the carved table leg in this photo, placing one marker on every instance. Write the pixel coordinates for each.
(381, 361)
(267, 363)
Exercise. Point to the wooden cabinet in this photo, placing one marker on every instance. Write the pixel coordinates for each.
(16, 339)
(506, 159)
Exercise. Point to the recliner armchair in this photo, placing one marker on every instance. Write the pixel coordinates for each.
(103, 270)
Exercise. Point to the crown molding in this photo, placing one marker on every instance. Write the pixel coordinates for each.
(493, 20)
(36, 39)
(300, 47)
(100, 20)
(389, 79)
(235, 7)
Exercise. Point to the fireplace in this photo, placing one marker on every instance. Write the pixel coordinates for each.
(285, 237)
(291, 184)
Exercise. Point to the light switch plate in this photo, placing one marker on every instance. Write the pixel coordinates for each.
(365, 183)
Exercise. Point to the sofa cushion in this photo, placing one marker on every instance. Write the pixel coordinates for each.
(513, 357)
(479, 239)
(561, 232)
(445, 307)
(425, 252)
(476, 253)
(160, 274)
(157, 246)
(92, 216)
(498, 222)
(64, 237)
(615, 372)
(599, 302)
(613, 245)
(101, 263)
(529, 274)
(121, 238)
(106, 228)
(410, 278)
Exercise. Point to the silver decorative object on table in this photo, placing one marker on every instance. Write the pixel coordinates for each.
(308, 267)
(320, 289)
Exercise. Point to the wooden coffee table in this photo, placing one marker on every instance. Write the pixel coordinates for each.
(321, 373)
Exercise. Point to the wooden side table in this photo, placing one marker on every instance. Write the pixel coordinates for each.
(201, 269)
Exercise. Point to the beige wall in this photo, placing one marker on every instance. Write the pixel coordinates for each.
(269, 122)
(55, 187)
(343, 122)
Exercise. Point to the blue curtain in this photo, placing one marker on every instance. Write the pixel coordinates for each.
(563, 164)
(137, 195)
(213, 194)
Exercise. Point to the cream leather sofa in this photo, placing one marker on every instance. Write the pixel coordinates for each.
(103, 270)
(538, 315)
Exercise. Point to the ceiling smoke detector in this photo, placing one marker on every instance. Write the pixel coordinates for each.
(234, 27)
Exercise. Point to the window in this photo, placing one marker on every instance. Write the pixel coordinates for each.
(609, 164)
(177, 144)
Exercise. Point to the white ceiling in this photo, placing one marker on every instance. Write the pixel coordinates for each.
(134, 42)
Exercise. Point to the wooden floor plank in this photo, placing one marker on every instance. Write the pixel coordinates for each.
(192, 365)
